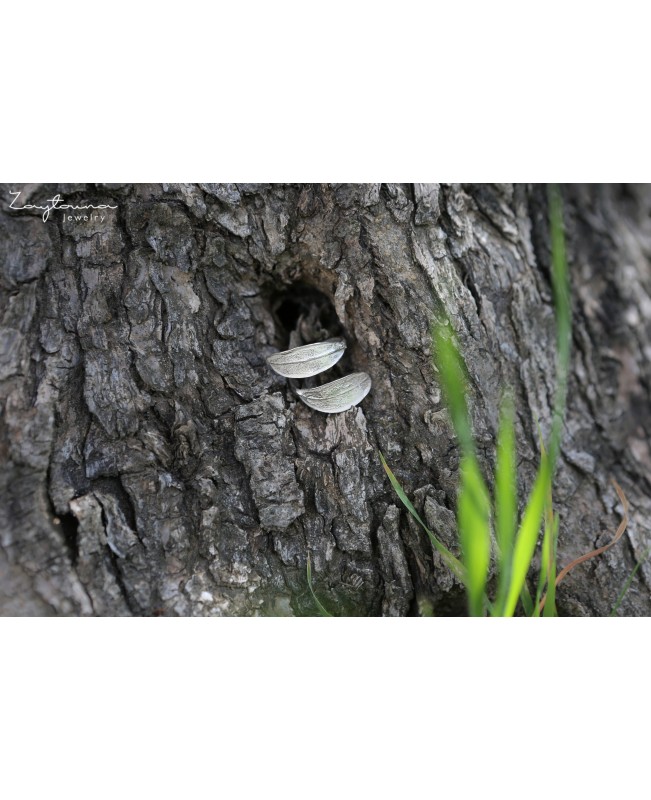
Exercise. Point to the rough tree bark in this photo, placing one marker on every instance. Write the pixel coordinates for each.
(151, 463)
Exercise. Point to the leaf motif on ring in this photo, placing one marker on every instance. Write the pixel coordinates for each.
(307, 360)
(339, 395)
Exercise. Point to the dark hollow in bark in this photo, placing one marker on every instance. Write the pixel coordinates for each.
(151, 462)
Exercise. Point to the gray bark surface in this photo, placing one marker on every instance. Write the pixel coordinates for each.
(151, 462)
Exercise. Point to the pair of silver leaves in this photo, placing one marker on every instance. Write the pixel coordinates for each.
(311, 359)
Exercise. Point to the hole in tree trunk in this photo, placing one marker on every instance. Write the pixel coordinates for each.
(70, 529)
(308, 311)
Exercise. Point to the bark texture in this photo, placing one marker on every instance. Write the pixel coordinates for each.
(151, 463)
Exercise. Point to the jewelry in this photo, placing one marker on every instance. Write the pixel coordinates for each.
(308, 360)
(339, 395)
(311, 359)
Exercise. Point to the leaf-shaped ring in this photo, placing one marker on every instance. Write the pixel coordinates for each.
(307, 360)
(339, 395)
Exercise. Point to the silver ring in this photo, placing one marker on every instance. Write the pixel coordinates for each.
(311, 359)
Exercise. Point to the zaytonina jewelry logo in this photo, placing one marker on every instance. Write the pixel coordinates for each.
(57, 203)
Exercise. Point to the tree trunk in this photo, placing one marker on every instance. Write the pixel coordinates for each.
(151, 462)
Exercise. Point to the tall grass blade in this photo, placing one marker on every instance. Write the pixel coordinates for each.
(454, 382)
(526, 600)
(547, 575)
(549, 609)
(473, 519)
(543, 576)
(506, 500)
(527, 537)
(530, 526)
(452, 561)
(473, 505)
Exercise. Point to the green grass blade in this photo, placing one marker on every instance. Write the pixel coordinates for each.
(473, 519)
(549, 609)
(454, 382)
(547, 563)
(540, 496)
(506, 500)
(527, 537)
(629, 581)
(526, 600)
(323, 611)
(452, 561)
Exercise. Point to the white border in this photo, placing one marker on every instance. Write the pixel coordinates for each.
(352, 91)
(322, 709)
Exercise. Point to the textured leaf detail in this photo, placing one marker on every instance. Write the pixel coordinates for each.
(307, 360)
(339, 395)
